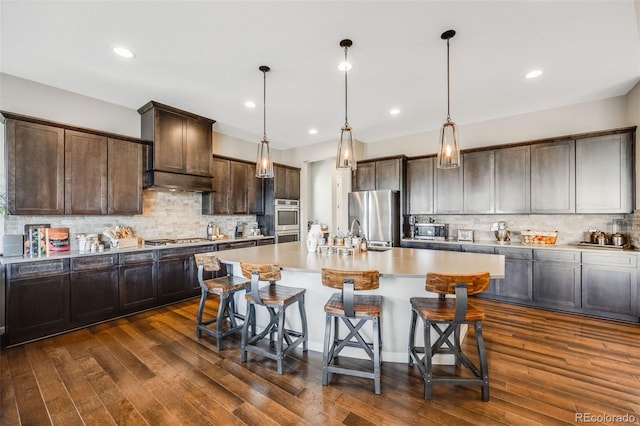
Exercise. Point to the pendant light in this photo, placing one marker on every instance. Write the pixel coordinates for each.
(346, 158)
(264, 165)
(448, 149)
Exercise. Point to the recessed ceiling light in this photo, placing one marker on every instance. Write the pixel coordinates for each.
(313, 131)
(123, 51)
(533, 74)
(344, 66)
(250, 104)
(394, 111)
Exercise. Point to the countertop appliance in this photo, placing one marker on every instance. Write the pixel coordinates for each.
(239, 230)
(431, 231)
(465, 235)
(379, 215)
(500, 231)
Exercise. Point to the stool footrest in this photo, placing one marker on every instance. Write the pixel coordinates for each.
(252, 347)
(351, 372)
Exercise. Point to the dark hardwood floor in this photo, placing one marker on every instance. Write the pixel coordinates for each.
(545, 368)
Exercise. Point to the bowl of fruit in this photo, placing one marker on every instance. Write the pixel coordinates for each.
(539, 237)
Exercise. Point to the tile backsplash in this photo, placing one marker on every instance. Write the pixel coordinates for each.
(572, 228)
(165, 214)
(169, 214)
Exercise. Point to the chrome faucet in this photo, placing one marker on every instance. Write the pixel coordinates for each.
(352, 225)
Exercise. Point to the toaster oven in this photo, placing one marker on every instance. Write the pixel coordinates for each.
(431, 231)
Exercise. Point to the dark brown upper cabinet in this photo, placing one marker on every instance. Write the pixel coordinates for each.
(604, 174)
(420, 178)
(255, 191)
(478, 182)
(181, 148)
(382, 173)
(553, 177)
(124, 171)
(513, 181)
(35, 168)
(237, 199)
(364, 177)
(236, 190)
(85, 173)
(286, 182)
(55, 169)
(448, 195)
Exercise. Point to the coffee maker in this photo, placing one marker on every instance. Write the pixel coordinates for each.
(239, 229)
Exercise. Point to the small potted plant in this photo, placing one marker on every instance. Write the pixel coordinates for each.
(4, 205)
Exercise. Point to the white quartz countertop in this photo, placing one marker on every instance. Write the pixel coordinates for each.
(76, 253)
(521, 245)
(405, 262)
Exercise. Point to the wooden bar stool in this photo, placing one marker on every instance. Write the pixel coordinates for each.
(349, 308)
(276, 299)
(451, 314)
(225, 287)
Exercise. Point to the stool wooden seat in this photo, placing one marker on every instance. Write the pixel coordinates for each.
(225, 288)
(276, 299)
(445, 316)
(354, 311)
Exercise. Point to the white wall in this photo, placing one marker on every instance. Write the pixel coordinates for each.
(321, 185)
(38, 100)
(633, 105)
(230, 146)
(603, 114)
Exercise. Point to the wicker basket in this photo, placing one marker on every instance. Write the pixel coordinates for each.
(125, 242)
(539, 237)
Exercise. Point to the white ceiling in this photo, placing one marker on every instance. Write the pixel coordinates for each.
(204, 57)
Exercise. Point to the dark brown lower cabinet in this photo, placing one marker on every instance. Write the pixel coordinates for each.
(174, 277)
(137, 281)
(517, 284)
(93, 288)
(610, 284)
(597, 283)
(37, 307)
(37, 300)
(557, 278)
(94, 295)
(50, 296)
(491, 291)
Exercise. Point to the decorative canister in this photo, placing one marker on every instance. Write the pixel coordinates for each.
(313, 238)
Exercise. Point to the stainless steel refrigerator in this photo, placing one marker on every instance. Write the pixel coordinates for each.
(379, 215)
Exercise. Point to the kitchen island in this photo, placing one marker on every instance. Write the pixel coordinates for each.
(402, 276)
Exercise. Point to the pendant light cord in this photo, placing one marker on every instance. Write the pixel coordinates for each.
(346, 122)
(264, 106)
(448, 94)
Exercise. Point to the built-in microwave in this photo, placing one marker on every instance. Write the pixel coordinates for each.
(287, 215)
(431, 231)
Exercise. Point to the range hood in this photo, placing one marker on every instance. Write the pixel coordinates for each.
(179, 150)
(156, 179)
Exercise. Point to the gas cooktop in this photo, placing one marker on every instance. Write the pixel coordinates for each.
(167, 241)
